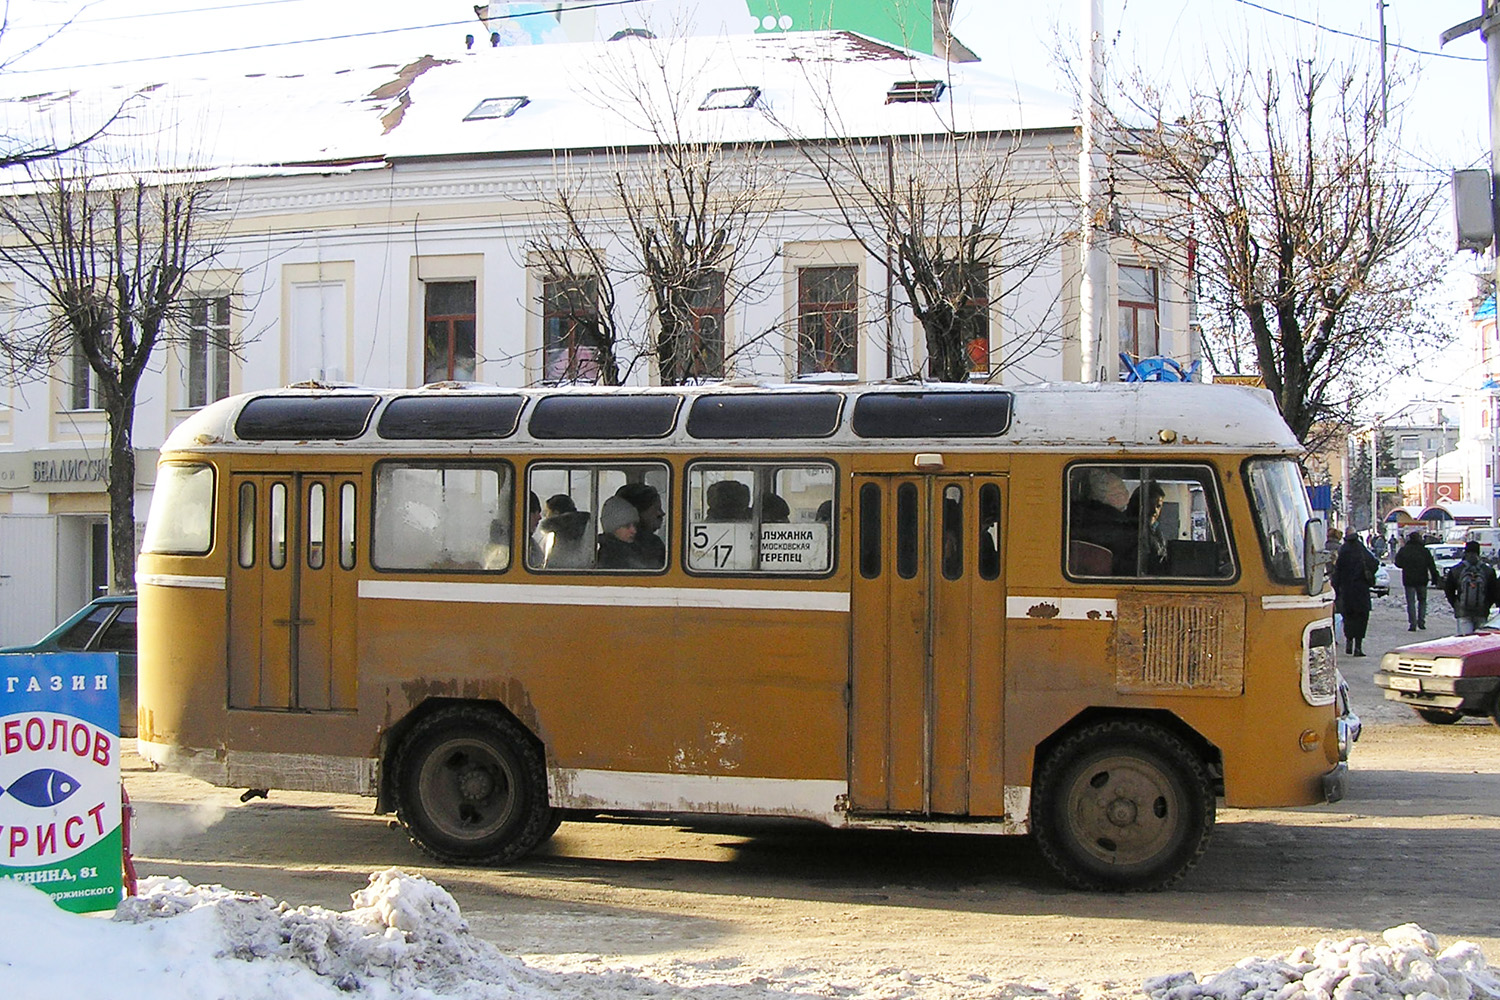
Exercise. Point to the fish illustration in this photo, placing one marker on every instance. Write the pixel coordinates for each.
(43, 787)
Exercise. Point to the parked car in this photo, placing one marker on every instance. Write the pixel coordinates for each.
(1446, 554)
(104, 625)
(1382, 584)
(1445, 679)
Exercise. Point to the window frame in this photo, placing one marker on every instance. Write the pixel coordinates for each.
(470, 463)
(451, 323)
(825, 313)
(1131, 311)
(567, 331)
(643, 464)
(209, 340)
(1215, 501)
(775, 464)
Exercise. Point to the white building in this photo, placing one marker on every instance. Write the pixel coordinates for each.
(385, 222)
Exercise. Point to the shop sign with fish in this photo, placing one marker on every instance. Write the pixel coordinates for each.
(60, 776)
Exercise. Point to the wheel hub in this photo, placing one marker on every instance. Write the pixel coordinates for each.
(1121, 812)
(475, 785)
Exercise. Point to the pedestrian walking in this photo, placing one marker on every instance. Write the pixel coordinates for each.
(1353, 575)
(1470, 587)
(1418, 569)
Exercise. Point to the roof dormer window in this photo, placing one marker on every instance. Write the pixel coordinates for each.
(496, 107)
(721, 98)
(915, 92)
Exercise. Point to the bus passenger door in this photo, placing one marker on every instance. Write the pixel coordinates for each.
(292, 592)
(928, 680)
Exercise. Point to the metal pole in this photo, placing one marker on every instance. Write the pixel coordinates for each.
(1092, 276)
(1491, 36)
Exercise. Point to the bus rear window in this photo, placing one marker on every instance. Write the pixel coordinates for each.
(181, 521)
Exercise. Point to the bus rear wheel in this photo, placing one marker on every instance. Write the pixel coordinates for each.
(1122, 805)
(471, 787)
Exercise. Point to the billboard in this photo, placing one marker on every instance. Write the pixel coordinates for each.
(907, 23)
(60, 776)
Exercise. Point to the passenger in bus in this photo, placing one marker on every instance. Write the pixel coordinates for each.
(1156, 545)
(619, 522)
(565, 534)
(825, 512)
(650, 549)
(1098, 518)
(728, 500)
(536, 555)
(774, 510)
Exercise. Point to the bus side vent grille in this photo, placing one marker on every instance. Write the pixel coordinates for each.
(1180, 643)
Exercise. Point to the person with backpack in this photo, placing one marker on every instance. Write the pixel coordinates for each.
(1353, 575)
(1471, 589)
(1417, 568)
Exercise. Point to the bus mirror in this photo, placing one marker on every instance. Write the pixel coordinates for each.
(1312, 556)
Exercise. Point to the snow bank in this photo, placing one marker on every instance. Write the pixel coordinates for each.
(404, 939)
(1407, 967)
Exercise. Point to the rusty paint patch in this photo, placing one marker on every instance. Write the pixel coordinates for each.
(1043, 610)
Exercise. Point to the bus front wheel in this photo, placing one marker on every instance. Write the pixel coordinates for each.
(471, 787)
(1122, 805)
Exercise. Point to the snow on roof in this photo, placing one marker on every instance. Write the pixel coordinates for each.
(576, 97)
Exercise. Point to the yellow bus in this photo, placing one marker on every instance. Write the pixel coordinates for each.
(1085, 612)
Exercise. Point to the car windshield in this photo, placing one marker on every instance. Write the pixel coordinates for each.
(1281, 511)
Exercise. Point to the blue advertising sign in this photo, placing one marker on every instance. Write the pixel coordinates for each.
(60, 776)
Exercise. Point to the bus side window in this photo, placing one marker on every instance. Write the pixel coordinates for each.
(760, 517)
(346, 526)
(247, 525)
(441, 516)
(953, 533)
(869, 531)
(603, 517)
(989, 532)
(276, 545)
(316, 520)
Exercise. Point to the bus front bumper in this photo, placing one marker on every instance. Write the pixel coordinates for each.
(1336, 782)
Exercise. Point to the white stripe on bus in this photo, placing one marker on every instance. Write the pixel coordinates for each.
(1073, 609)
(590, 595)
(1295, 602)
(584, 788)
(175, 580)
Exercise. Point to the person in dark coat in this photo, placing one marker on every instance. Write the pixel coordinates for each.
(1417, 570)
(1353, 574)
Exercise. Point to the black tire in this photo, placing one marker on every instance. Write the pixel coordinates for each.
(1122, 805)
(1439, 716)
(471, 787)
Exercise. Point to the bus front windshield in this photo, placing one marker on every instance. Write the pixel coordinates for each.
(1281, 512)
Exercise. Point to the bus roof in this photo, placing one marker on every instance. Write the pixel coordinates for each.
(471, 417)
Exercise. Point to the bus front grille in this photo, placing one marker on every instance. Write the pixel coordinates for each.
(1191, 642)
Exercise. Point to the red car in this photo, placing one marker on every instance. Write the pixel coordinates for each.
(1446, 679)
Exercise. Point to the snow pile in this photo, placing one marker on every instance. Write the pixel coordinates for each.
(404, 935)
(1407, 967)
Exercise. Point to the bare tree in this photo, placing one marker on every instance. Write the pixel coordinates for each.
(1313, 245)
(679, 216)
(962, 219)
(108, 257)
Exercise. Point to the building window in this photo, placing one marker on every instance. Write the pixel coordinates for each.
(972, 319)
(83, 393)
(208, 350)
(1139, 329)
(827, 320)
(572, 346)
(448, 345)
(705, 302)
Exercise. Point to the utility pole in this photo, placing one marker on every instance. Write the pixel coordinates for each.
(1488, 26)
(1093, 276)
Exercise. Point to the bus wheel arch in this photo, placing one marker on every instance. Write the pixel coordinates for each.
(1123, 801)
(469, 783)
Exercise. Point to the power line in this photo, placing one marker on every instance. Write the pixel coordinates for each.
(310, 41)
(1359, 37)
